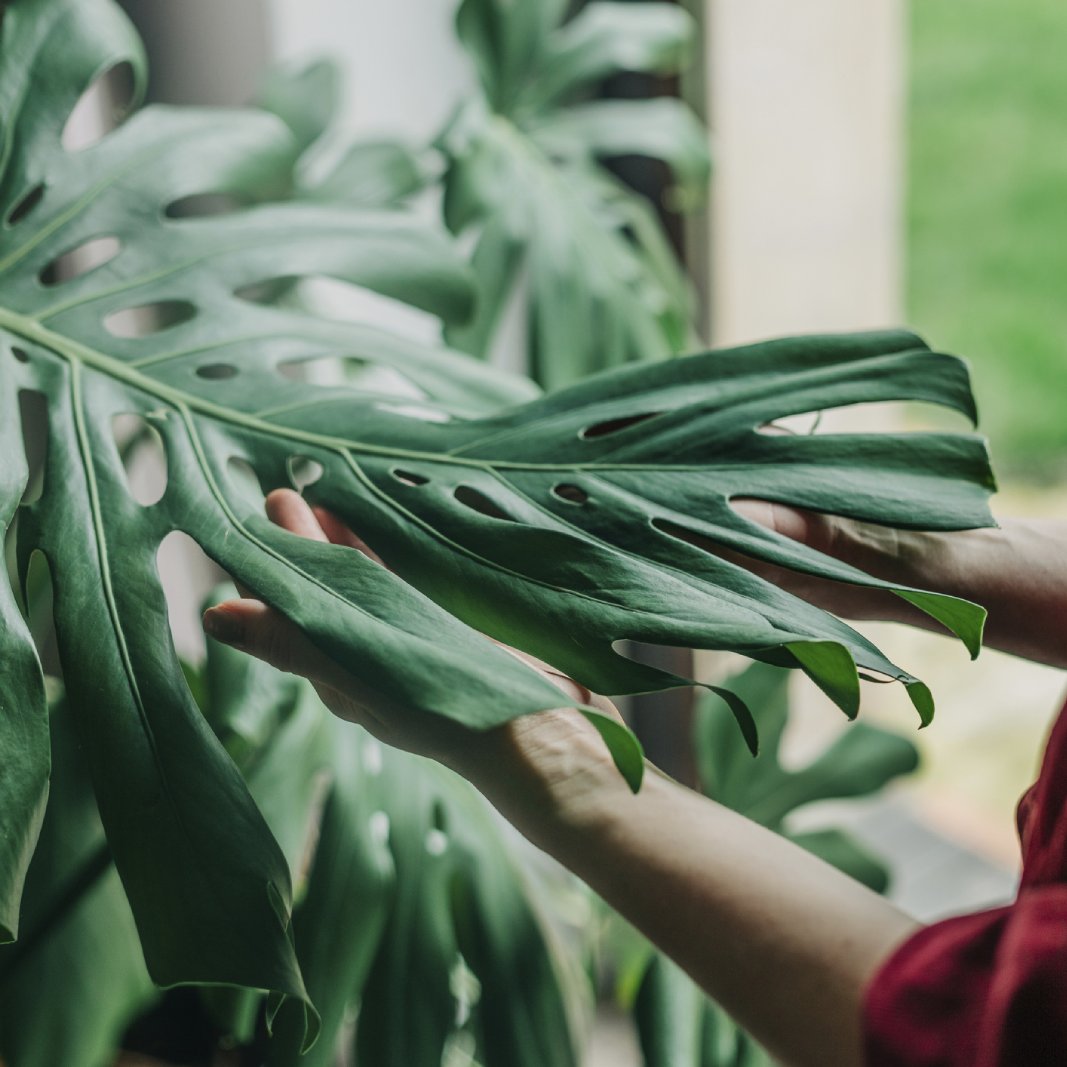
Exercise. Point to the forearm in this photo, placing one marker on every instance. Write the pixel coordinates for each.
(1018, 572)
(784, 942)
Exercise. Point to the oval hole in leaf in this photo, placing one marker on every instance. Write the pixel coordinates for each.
(147, 319)
(378, 824)
(101, 108)
(80, 260)
(472, 498)
(573, 494)
(610, 426)
(20, 354)
(304, 471)
(408, 477)
(267, 291)
(187, 575)
(324, 370)
(217, 372)
(25, 204)
(204, 205)
(33, 415)
(144, 457)
(245, 482)
(436, 842)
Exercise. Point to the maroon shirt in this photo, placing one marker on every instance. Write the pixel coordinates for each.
(988, 990)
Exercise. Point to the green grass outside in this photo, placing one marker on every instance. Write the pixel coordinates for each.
(987, 215)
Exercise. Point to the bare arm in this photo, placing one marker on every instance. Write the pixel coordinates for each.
(783, 941)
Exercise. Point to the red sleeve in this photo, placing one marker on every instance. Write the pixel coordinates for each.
(988, 990)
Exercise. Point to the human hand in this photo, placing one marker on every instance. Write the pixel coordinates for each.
(530, 761)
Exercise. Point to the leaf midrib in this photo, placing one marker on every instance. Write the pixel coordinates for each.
(74, 352)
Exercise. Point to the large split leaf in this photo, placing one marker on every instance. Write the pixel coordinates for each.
(208, 886)
(561, 526)
(602, 286)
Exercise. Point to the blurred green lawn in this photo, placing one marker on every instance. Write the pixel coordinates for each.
(987, 216)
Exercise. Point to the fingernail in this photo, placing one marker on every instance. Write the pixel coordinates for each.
(222, 626)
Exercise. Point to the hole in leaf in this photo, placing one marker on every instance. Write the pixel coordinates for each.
(80, 260)
(573, 494)
(144, 457)
(378, 824)
(245, 482)
(267, 291)
(33, 414)
(25, 204)
(472, 498)
(100, 108)
(20, 354)
(436, 842)
(147, 319)
(304, 471)
(610, 426)
(40, 612)
(408, 477)
(217, 372)
(187, 575)
(204, 205)
(372, 756)
(439, 817)
(325, 370)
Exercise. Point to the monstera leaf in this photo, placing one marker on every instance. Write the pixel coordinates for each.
(602, 286)
(561, 526)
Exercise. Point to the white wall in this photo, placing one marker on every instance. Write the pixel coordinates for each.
(405, 69)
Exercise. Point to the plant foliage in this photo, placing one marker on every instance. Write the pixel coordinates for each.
(523, 173)
(561, 526)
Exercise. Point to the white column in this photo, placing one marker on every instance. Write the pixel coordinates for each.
(806, 105)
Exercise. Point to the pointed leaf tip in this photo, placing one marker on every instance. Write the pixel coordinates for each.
(626, 751)
(831, 667)
(960, 617)
(923, 701)
(743, 714)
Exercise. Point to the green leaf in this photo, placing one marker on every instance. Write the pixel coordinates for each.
(842, 851)
(552, 226)
(305, 97)
(76, 979)
(351, 886)
(458, 893)
(862, 761)
(23, 711)
(661, 128)
(669, 1013)
(606, 38)
(561, 526)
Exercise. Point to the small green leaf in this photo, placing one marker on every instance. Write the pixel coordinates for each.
(625, 749)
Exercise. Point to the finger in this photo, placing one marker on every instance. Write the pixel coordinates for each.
(290, 510)
(340, 534)
(253, 627)
(789, 522)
